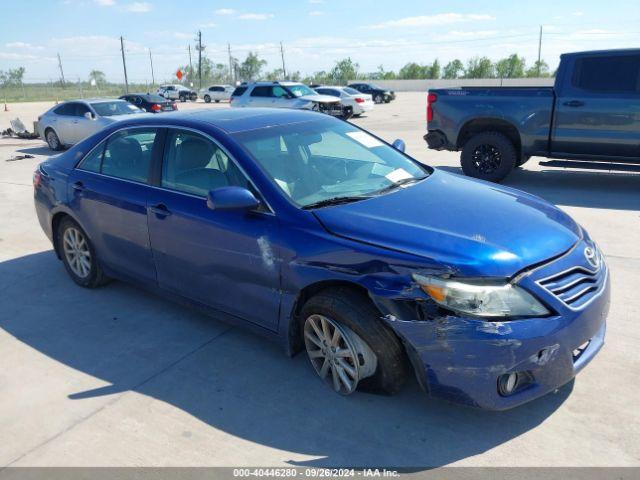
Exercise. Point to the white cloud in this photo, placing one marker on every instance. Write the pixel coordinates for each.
(316, 2)
(139, 7)
(225, 11)
(106, 3)
(209, 25)
(432, 20)
(577, 14)
(255, 16)
(23, 46)
(316, 13)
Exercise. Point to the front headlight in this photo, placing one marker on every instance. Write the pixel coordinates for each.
(495, 300)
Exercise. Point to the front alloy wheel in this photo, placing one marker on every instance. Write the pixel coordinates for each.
(337, 354)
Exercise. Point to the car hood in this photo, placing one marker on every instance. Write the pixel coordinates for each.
(319, 98)
(471, 227)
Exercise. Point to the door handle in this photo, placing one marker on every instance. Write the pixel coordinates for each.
(160, 209)
(78, 186)
(574, 103)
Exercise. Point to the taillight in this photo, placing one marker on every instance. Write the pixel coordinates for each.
(174, 106)
(156, 107)
(37, 178)
(431, 99)
(359, 100)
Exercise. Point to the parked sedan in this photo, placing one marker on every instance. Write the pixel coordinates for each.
(358, 102)
(323, 237)
(150, 103)
(216, 93)
(71, 122)
(379, 94)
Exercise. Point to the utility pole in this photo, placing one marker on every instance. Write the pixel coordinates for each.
(190, 64)
(61, 72)
(200, 48)
(539, 49)
(153, 78)
(232, 80)
(284, 71)
(124, 65)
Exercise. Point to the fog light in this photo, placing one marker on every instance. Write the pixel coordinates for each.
(507, 383)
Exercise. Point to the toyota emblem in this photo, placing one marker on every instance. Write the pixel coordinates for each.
(592, 257)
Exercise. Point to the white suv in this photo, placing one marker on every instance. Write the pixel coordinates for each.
(286, 95)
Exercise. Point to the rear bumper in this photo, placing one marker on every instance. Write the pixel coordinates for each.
(437, 140)
(461, 359)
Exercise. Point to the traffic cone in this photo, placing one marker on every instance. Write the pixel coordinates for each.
(5, 107)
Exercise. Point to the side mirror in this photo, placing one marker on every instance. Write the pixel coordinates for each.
(399, 145)
(231, 198)
(88, 115)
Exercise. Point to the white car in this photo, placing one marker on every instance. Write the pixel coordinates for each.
(286, 95)
(177, 92)
(216, 93)
(71, 122)
(349, 97)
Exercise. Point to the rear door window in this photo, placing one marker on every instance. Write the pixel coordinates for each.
(263, 91)
(617, 74)
(239, 91)
(66, 109)
(128, 154)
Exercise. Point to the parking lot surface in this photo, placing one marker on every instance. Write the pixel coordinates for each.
(118, 376)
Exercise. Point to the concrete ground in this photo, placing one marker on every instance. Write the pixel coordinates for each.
(117, 376)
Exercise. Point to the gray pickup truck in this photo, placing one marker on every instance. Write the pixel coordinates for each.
(590, 118)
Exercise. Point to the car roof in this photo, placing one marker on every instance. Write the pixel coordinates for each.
(93, 100)
(234, 120)
(144, 95)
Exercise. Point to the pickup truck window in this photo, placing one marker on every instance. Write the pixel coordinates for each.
(617, 74)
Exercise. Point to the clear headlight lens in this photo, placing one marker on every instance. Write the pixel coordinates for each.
(495, 300)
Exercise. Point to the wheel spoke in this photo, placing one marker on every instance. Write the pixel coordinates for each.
(325, 330)
(336, 380)
(316, 354)
(348, 368)
(312, 322)
(343, 377)
(335, 340)
(313, 339)
(325, 368)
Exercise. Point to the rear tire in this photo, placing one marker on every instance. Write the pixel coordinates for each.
(78, 255)
(217, 101)
(489, 156)
(183, 98)
(378, 99)
(207, 99)
(52, 139)
(351, 309)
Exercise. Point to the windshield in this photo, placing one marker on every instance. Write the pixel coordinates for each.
(300, 90)
(108, 109)
(327, 159)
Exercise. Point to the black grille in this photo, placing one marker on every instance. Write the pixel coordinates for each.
(575, 286)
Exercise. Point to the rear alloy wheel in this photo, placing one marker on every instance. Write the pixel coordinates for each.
(489, 156)
(52, 140)
(207, 99)
(78, 255)
(338, 355)
(378, 98)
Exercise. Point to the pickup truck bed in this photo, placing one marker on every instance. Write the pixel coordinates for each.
(591, 114)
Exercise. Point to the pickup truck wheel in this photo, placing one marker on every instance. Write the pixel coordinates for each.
(348, 345)
(183, 98)
(488, 156)
(207, 99)
(378, 99)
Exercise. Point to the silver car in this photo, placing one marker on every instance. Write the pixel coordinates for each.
(71, 122)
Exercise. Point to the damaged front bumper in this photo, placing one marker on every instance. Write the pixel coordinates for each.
(462, 359)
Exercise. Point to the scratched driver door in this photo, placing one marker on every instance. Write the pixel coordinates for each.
(224, 259)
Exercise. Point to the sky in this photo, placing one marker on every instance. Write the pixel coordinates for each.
(314, 33)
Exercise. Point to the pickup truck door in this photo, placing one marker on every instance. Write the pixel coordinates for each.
(598, 108)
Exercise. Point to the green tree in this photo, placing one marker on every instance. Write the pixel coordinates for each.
(344, 70)
(453, 69)
(433, 70)
(412, 71)
(12, 76)
(480, 67)
(510, 67)
(97, 76)
(276, 74)
(539, 70)
(251, 67)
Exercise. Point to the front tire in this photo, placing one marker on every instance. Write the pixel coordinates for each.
(207, 99)
(488, 156)
(52, 139)
(378, 99)
(78, 255)
(183, 98)
(348, 345)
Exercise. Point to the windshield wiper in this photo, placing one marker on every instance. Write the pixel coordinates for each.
(399, 183)
(335, 201)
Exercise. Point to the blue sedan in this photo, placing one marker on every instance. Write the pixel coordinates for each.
(325, 238)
